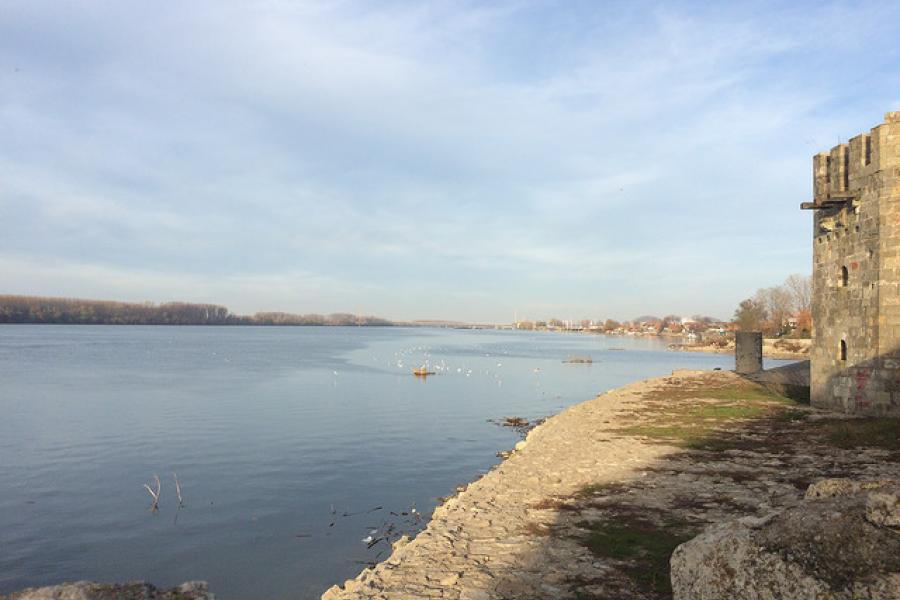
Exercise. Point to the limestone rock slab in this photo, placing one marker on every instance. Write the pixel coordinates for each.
(89, 590)
(829, 546)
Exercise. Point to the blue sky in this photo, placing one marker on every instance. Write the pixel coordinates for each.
(426, 160)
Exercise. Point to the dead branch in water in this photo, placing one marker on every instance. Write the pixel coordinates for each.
(523, 426)
(362, 512)
(155, 495)
(178, 490)
(370, 563)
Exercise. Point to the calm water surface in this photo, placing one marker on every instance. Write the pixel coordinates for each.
(269, 430)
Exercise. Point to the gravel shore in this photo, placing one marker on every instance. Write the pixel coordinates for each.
(595, 499)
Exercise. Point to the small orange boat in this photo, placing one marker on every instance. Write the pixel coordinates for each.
(422, 372)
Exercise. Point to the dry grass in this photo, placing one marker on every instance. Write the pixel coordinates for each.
(873, 432)
(713, 423)
(640, 546)
(702, 417)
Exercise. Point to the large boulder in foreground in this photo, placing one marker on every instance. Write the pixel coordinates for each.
(88, 590)
(841, 542)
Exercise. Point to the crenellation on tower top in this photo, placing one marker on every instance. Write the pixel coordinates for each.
(821, 170)
(838, 168)
(840, 174)
(859, 160)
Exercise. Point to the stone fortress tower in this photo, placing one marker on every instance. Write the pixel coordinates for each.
(855, 357)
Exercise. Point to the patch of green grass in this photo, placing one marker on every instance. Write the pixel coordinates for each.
(722, 443)
(876, 432)
(691, 424)
(742, 392)
(601, 489)
(592, 489)
(747, 394)
(644, 547)
(678, 434)
(723, 412)
(695, 423)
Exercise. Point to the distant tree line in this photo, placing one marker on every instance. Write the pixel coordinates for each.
(779, 310)
(281, 318)
(35, 309)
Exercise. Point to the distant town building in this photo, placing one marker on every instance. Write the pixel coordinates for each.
(855, 357)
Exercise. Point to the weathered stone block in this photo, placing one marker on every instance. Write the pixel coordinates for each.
(748, 352)
(801, 552)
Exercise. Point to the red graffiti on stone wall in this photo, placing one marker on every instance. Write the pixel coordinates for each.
(862, 378)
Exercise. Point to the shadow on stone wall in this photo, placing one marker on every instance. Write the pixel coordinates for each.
(791, 380)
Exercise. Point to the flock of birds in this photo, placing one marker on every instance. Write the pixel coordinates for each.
(410, 359)
(405, 360)
(421, 356)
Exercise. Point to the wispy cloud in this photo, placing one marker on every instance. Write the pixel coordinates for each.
(500, 156)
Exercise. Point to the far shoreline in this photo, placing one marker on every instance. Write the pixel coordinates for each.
(774, 348)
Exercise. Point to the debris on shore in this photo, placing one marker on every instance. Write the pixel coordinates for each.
(520, 424)
(515, 422)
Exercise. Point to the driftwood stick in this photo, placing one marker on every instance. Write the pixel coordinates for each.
(178, 490)
(154, 494)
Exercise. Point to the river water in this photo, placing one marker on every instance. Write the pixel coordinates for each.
(275, 434)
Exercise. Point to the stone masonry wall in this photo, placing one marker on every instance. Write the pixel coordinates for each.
(855, 358)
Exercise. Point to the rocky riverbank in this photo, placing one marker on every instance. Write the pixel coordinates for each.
(596, 499)
(89, 590)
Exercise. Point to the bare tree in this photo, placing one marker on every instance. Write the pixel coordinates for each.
(777, 302)
(800, 288)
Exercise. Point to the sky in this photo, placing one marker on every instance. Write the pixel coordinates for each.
(426, 160)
